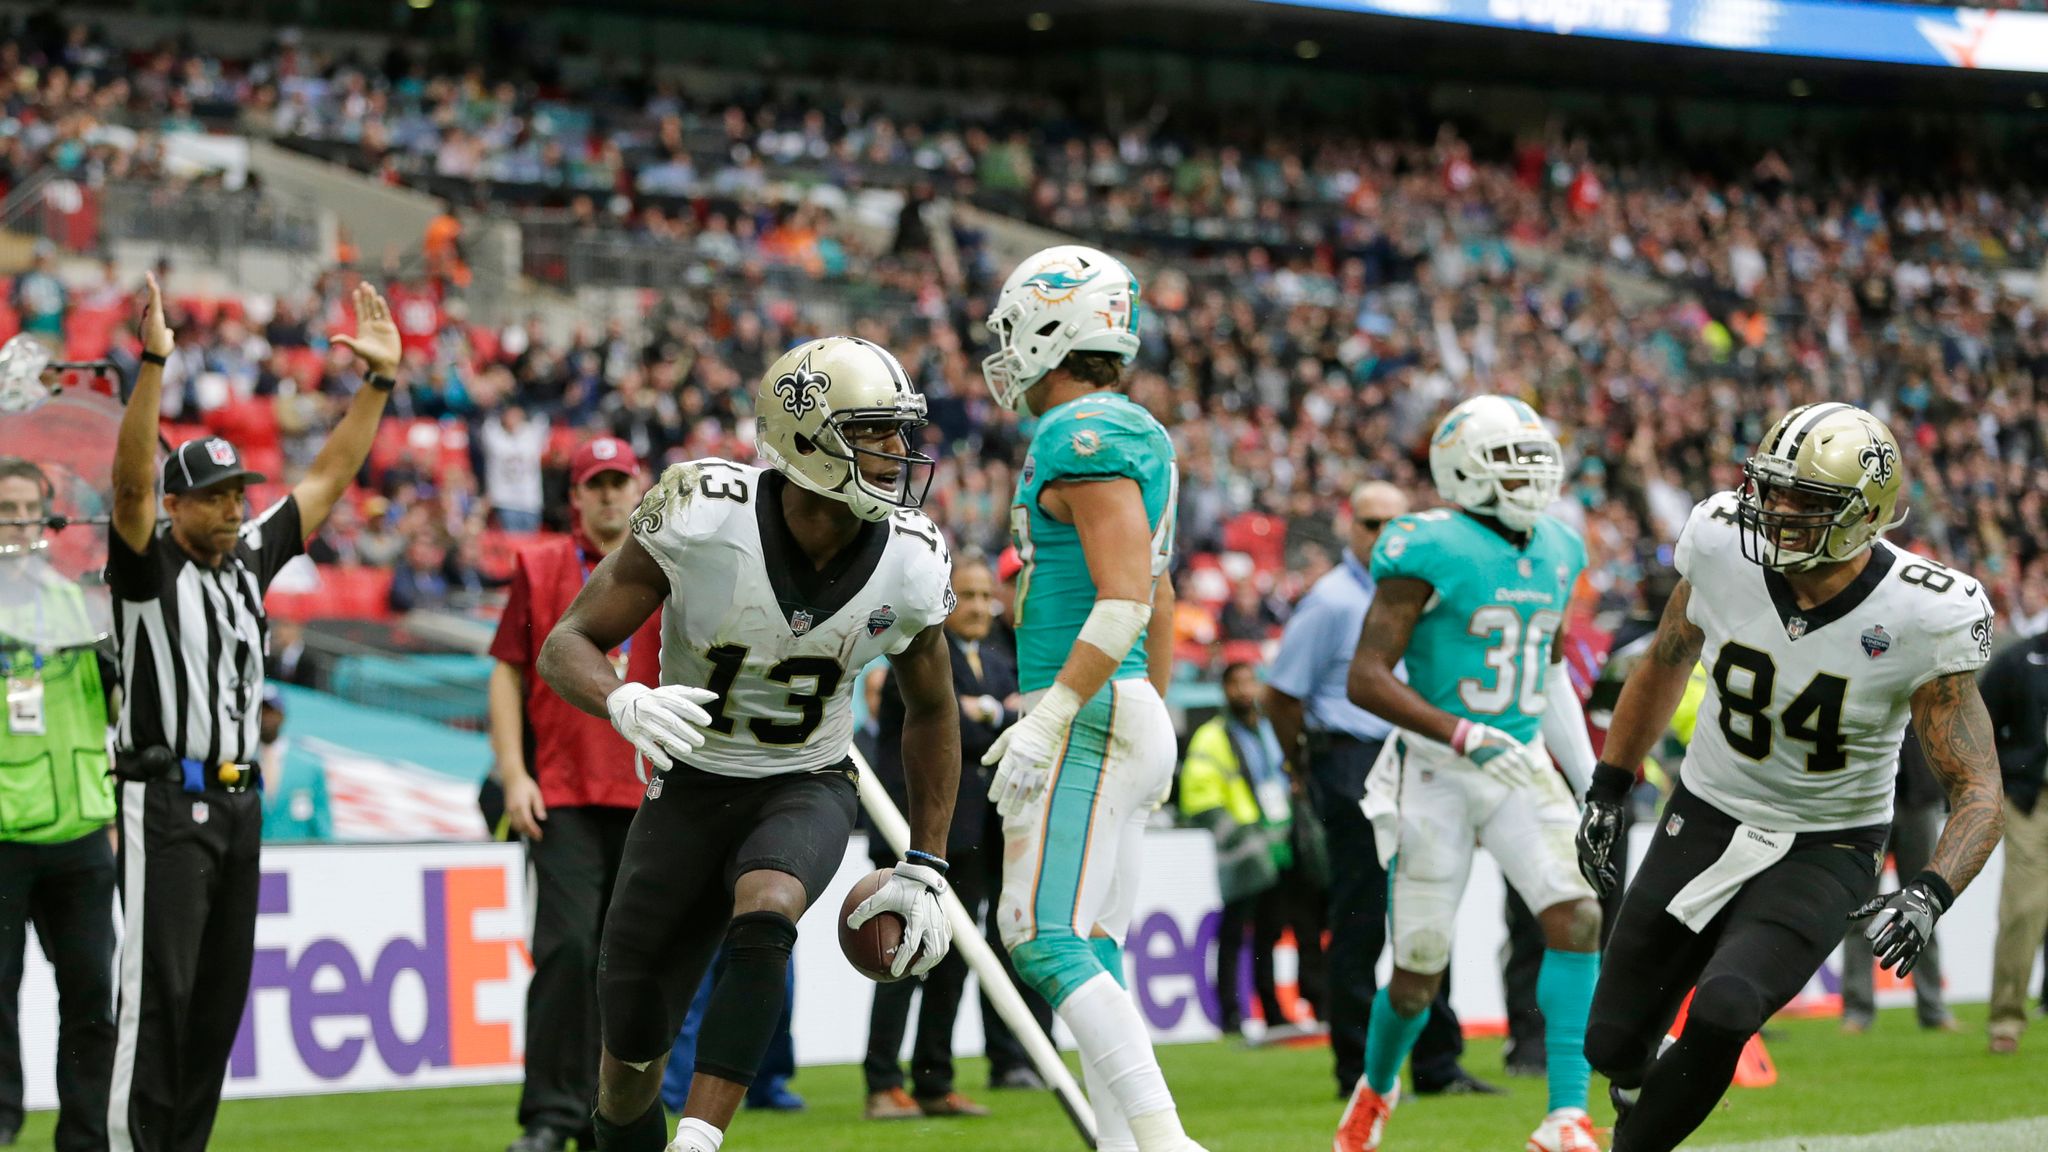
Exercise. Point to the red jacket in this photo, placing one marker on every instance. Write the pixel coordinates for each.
(578, 759)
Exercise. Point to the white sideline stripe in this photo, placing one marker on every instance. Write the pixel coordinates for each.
(2029, 1134)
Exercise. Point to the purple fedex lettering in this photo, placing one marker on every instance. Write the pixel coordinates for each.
(310, 1005)
(1163, 955)
(313, 996)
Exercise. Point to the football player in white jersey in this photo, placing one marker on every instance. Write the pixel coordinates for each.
(777, 586)
(1820, 640)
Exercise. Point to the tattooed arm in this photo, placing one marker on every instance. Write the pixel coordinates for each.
(1397, 605)
(1955, 733)
(1655, 687)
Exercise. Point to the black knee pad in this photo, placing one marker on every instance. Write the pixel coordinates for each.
(740, 1020)
(1730, 1004)
(1616, 1054)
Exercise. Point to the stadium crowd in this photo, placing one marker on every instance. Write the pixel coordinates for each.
(1311, 309)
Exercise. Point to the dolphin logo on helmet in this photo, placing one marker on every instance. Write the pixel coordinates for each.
(1069, 298)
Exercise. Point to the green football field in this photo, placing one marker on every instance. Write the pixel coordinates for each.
(1833, 1092)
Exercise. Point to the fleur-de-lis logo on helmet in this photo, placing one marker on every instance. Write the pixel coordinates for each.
(1879, 460)
(802, 391)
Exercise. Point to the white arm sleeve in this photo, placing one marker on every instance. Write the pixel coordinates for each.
(1564, 729)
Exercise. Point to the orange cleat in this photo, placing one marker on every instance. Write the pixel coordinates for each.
(1365, 1119)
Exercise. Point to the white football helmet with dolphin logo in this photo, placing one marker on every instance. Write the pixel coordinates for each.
(1493, 455)
(1068, 298)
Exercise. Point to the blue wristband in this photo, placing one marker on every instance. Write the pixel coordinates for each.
(927, 859)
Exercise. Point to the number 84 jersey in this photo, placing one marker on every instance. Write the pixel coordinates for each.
(749, 617)
(1801, 729)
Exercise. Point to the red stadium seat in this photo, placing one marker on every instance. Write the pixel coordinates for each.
(251, 423)
(1262, 537)
(346, 592)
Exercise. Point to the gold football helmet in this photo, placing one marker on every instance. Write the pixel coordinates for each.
(820, 406)
(1822, 487)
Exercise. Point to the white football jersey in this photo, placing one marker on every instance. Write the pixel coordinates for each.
(1801, 727)
(749, 617)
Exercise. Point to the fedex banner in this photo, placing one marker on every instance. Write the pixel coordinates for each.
(1882, 33)
(397, 966)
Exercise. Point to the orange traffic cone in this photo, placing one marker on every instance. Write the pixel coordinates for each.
(1754, 1069)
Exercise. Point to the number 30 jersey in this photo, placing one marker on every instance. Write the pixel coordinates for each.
(1801, 726)
(749, 617)
(1483, 644)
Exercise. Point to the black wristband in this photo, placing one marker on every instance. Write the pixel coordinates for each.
(930, 861)
(381, 382)
(1610, 784)
(154, 358)
(1943, 894)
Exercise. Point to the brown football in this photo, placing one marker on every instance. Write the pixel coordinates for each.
(871, 948)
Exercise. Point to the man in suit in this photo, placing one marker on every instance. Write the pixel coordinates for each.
(289, 661)
(986, 679)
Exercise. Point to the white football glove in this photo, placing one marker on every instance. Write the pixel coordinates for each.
(1498, 754)
(912, 893)
(663, 722)
(1024, 753)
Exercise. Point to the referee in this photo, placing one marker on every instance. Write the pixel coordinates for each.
(189, 631)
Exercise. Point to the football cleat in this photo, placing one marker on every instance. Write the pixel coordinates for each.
(1365, 1119)
(1624, 1101)
(1565, 1130)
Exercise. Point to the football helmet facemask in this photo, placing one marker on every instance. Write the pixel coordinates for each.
(1823, 487)
(821, 407)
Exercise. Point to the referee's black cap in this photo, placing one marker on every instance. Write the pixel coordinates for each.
(203, 462)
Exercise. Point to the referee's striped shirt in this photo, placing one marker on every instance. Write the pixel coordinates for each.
(190, 638)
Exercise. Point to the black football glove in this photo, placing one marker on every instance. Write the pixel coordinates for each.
(1600, 827)
(1902, 923)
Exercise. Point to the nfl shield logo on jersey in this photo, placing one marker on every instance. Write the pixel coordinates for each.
(1795, 627)
(882, 619)
(1675, 825)
(654, 787)
(200, 812)
(800, 621)
(1876, 641)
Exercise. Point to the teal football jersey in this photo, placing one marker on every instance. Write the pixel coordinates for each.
(1099, 436)
(1482, 646)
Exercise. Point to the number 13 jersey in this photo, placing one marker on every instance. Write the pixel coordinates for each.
(1800, 730)
(751, 618)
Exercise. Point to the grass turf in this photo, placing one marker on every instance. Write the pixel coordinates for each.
(1236, 1100)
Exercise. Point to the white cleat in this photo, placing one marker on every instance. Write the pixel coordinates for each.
(1565, 1130)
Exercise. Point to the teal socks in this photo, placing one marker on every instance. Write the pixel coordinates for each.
(1390, 1036)
(1564, 992)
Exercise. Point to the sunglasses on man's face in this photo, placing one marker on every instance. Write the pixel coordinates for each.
(1372, 523)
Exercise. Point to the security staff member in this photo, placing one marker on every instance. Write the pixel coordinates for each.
(1337, 741)
(56, 864)
(2015, 688)
(189, 628)
(571, 788)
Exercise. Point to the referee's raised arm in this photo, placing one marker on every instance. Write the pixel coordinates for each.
(135, 453)
(376, 341)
